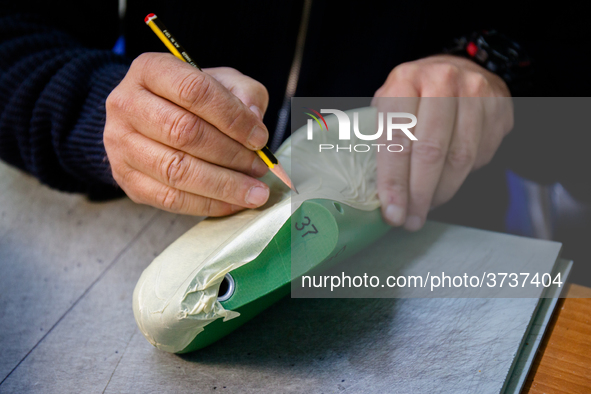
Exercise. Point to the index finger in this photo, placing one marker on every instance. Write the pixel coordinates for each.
(436, 121)
(201, 94)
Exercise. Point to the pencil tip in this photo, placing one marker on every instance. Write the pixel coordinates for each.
(281, 174)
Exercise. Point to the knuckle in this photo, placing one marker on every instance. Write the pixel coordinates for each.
(461, 157)
(125, 142)
(428, 152)
(404, 71)
(261, 91)
(109, 138)
(127, 182)
(227, 76)
(194, 88)
(203, 139)
(126, 177)
(224, 188)
(440, 199)
(175, 168)
(119, 178)
(421, 201)
(406, 150)
(396, 187)
(140, 64)
(214, 208)
(115, 166)
(182, 129)
(115, 143)
(133, 196)
(207, 208)
(227, 70)
(477, 84)
(142, 60)
(380, 92)
(112, 101)
(170, 199)
(484, 158)
(251, 91)
(398, 138)
(242, 158)
(447, 72)
(116, 101)
(236, 119)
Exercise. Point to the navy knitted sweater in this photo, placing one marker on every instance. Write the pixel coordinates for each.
(52, 94)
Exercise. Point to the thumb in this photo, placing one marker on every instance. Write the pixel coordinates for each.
(250, 91)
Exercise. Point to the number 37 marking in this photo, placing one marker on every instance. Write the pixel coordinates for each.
(300, 227)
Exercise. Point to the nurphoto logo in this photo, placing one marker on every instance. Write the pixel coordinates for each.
(345, 130)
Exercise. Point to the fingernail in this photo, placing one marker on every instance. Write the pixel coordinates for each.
(257, 195)
(257, 138)
(413, 223)
(395, 214)
(257, 111)
(259, 168)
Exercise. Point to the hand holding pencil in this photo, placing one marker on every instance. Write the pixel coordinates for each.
(181, 140)
(181, 53)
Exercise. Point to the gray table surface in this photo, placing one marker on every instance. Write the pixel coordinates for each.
(68, 268)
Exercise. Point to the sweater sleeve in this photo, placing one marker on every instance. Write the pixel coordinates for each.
(53, 89)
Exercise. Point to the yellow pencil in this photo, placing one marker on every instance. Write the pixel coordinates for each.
(177, 50)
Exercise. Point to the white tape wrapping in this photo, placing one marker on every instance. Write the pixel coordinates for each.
(176, 295)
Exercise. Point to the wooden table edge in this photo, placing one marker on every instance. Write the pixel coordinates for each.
(550, 370)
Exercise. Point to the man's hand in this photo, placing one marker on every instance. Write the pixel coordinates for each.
(184, 140)
(454, 135)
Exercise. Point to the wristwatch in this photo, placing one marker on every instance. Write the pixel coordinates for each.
(498, 54)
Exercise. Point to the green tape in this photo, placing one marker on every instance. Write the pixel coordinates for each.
(340, 231)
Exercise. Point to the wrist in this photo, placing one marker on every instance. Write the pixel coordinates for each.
(498, 54)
